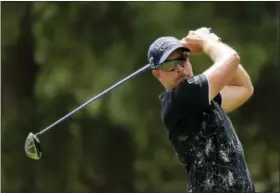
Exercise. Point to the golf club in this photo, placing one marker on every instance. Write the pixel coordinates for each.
(32, 143)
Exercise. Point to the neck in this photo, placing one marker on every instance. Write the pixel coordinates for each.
(169, 88)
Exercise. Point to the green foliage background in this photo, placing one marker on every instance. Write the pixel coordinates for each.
(57, 55)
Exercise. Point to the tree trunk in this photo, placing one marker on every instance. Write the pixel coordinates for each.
(19, 74)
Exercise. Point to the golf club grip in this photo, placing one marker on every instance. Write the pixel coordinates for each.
(146, 67)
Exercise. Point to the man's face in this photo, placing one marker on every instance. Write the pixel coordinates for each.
(175, 69)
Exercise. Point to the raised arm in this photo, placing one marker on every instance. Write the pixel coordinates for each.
(235, 83)
(226, 61)
(226, 75)
(237, 91)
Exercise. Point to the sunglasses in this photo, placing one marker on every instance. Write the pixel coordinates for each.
(170, 65)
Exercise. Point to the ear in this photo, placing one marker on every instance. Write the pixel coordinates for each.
(156, 73)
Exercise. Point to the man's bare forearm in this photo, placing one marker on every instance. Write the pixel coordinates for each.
(240, 78)
(238, 90)
(217, 50)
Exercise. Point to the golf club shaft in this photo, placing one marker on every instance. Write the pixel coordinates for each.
(146, 67)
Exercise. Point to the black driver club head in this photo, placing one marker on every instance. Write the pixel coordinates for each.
(32, 147)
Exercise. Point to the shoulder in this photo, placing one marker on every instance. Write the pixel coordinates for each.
(198, 80)
(192, 92)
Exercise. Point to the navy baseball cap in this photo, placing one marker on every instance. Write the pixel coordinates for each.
(161, 48)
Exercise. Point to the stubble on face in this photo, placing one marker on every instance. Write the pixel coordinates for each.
(172, 79)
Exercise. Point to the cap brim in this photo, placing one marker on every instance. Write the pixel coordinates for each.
(165, 55)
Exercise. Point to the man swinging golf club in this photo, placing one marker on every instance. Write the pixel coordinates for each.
(194, 110)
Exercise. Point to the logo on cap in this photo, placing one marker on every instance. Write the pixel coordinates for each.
(164, 45)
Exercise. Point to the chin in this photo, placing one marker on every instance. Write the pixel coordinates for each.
(186, 77)
(182, 79)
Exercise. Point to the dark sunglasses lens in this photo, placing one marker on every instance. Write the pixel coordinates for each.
(169, 66)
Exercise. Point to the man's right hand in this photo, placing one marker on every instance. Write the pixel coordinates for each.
(198, 40)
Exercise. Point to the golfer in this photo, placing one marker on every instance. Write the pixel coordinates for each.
(194, 110)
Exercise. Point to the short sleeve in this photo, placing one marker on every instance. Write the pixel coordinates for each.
(192, 92)
(218, 99)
